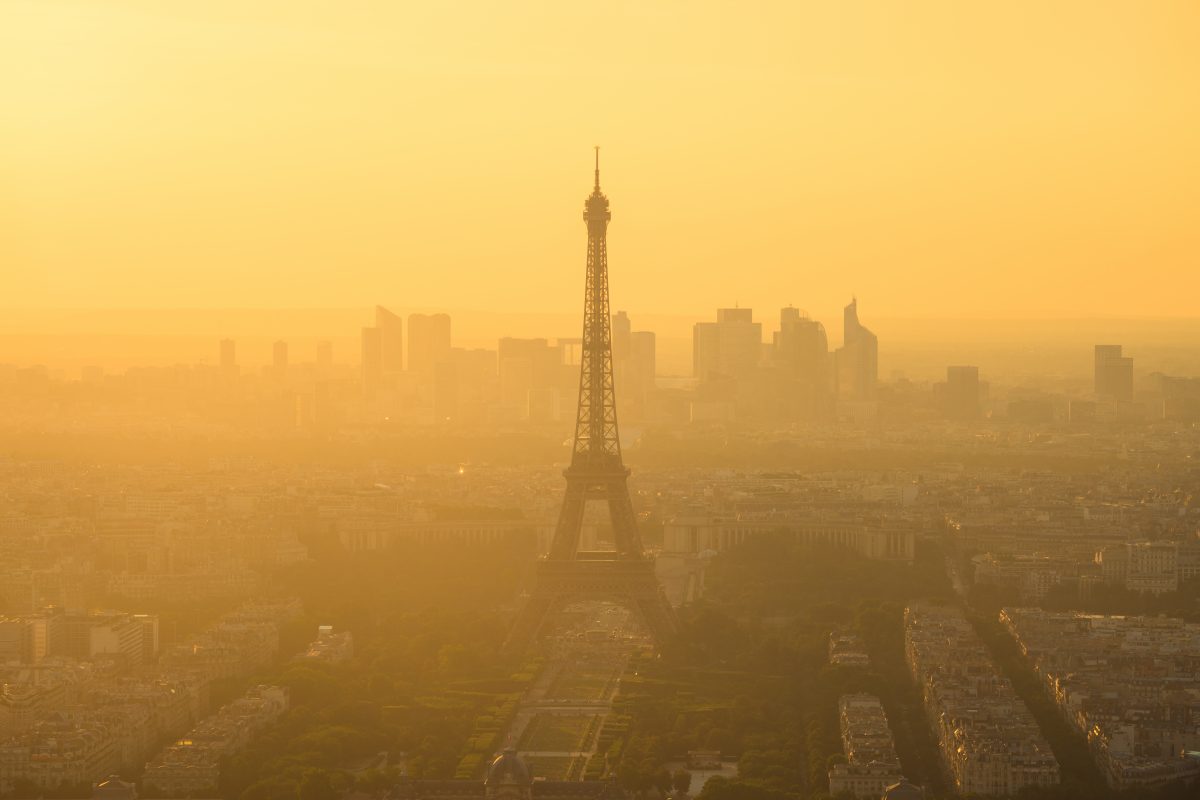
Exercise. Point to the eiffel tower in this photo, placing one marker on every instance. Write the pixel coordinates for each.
(567, 574)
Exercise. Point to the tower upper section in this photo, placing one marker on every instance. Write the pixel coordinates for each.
(595, 208)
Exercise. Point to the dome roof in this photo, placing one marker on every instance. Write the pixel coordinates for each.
(903, 791)
(508, 767)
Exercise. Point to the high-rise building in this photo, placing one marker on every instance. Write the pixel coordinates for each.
(372, 360)
(622, 329)
(1113, 373)
(801, 354)
(391, 341)
(728, 348)
(428, 342)
(634, 365)
(643, 361)
(532, 378)
(857, 359)
(963, 394)
(228, 355)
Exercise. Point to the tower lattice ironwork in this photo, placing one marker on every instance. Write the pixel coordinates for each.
(624, 575)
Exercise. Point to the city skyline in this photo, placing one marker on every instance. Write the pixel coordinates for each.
(871, 474)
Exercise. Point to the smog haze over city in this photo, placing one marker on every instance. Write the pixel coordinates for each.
(621, 401)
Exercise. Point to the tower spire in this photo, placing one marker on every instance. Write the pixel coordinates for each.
(597, 167)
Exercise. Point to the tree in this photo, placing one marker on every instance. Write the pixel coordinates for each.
(681, 781)
(316, 785)
(662, 782)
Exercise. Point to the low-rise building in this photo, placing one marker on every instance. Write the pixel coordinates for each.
(989, 741)
(1128, 684)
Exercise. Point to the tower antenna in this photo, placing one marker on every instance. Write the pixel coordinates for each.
(597, 167)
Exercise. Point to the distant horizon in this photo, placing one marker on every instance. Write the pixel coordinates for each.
(68, 339)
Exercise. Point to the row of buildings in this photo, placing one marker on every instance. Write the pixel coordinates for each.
(425, 379)
(191, 766)
(1151, 567)
(795, 377)
(871, 763)
(66, 722)
(989, 742)
(52, 631)
(1127, 684)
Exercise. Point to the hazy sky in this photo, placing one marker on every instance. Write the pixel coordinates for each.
(1007, 159)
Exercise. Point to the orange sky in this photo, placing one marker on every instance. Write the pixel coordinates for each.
(954, 158)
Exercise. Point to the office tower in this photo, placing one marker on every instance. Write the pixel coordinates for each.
(622, 329)
(857, 359)
(570, 351)
(1113, 373)
(391, 341)
(597, 472)
(428, 342)
(728, 348)
(801, 354)
(531, 372)
(372, 360)
(1181, 398)
(962, 392)
(324, 356)
(643, 361)
(633, 366)
(228, 355)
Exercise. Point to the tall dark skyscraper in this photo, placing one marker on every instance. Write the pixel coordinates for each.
(597, 472)
(857, 359)
(1113, 373)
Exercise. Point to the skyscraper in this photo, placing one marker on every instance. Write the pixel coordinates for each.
(728, 348)
(1113, 379)
(962, 392)
(622, 328)
(391, 341)
(634, 365)
(641, 367)
(857, 359)
(531, 372)
(428, 342)
(801, 354)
